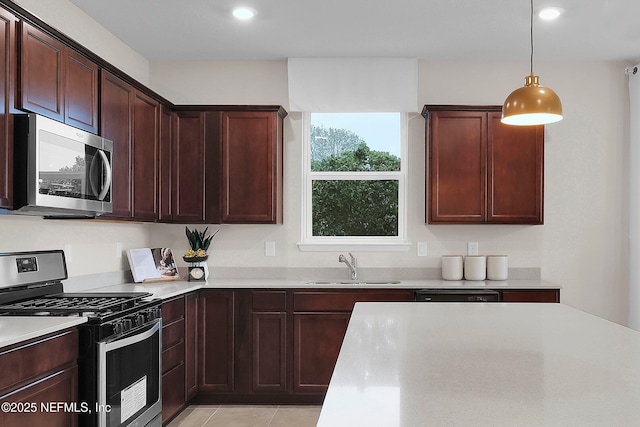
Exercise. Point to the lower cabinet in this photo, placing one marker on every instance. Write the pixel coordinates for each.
(531, 295)
(178, 353)
(43, 370)
(274, 346)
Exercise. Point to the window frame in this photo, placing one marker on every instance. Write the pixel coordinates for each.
(309, 242)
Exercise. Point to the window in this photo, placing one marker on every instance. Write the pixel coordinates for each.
(354, 189)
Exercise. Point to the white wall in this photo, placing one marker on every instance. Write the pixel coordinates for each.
(582, 244)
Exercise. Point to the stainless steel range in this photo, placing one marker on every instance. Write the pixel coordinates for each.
(120, 345)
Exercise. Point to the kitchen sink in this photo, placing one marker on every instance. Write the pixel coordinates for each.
(353, 282)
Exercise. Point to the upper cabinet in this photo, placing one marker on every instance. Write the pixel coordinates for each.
(480, 170)
(56, 81)
(131, 120)
(251, 165)
(7, 77)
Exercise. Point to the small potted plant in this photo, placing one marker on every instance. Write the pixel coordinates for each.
(199, 243)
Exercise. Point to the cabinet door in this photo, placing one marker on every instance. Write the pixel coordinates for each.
(7, 77)
(251, 167)
(188, 173)
(269, 352)
(116, 106)
(164, 165)
(317, 340)
(60, 386)
(172, 392)
(41, 72)
(81, 92)
(457, 166)
(216, 340)
(515, 158)
(191, 345)
(145, 157)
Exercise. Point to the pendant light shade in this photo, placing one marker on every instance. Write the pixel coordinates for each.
(532, 104)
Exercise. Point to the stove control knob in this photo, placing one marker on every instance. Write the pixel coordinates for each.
(118, 327)
(127, 324)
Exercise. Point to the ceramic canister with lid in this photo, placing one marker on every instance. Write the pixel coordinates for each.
(497, 267)
(452, 267)
(475, 267)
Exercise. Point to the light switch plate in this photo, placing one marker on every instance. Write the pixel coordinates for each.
(269, 248)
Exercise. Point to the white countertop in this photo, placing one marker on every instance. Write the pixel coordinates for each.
(169, 289)
(497, 364)
(16, 329)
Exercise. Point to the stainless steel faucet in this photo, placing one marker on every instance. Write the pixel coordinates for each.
(353, 265)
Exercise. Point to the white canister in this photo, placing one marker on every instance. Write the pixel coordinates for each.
(452, 267)
(475, 267)
(497, 267)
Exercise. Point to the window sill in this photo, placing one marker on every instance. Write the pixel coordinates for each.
(353, 246)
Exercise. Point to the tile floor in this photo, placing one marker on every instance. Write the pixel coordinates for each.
(247, 416)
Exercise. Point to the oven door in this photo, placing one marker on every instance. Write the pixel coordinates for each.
(129, 382)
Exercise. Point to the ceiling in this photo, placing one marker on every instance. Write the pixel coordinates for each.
(182, 30)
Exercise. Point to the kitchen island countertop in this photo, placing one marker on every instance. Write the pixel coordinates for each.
(496, 364)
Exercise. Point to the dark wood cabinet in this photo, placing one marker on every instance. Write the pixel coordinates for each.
(216, 340)
(165, 142)
(269, 341)
(56, 81)
(43, 370)
(191, 345)
(173, 357)
(531, 295)
(145, 157)
(480, 170)
(116, 108)
(8, 69)
(251, 166)
(131, 120)
(187, 168)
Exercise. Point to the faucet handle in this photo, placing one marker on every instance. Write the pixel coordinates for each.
(354, 260)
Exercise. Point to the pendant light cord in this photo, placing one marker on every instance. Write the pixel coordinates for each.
(531, 36)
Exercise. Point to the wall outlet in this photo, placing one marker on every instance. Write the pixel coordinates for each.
(269, 248)
(421, 248)
(472, 248)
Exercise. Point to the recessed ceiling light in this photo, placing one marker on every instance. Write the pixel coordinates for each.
(244, 13)
(550, 13)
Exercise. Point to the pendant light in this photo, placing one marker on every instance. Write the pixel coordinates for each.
(532, 104)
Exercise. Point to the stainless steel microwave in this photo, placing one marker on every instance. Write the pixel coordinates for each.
(60, 170)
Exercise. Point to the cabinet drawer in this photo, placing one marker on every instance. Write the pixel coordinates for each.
(173, 310)
(172, 357)
(172, 392)
(172, 334)
(269, 300)
(28, 361)
(344, 301)
(535, 295)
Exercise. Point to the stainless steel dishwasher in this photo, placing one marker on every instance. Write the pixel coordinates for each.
(457, 295)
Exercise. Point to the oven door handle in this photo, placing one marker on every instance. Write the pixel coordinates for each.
(136, 337)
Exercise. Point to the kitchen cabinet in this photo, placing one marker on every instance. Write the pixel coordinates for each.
(531, 295)
(216, 339)
(191, 345)
(56, 81)
(130, 119)
(251, 165)
(274, 345)
(145, 155)
(480, 170)
(43, 370)
(187, 167)
(7, 79)
(269, 341)
(165, 142)
(173, 357)
(320, 320)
